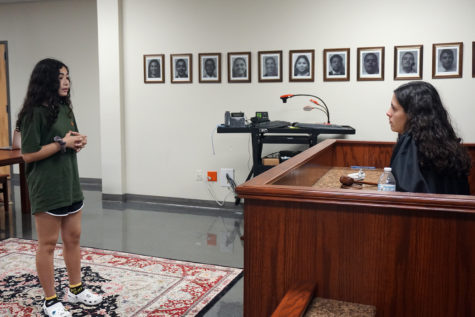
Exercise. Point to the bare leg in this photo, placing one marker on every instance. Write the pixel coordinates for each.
(47, 227)
(71, 234)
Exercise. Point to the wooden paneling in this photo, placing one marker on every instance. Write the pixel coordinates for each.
(377, 154)
(408, 254)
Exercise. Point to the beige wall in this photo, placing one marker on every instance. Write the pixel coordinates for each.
(65, 30)
(168, 128)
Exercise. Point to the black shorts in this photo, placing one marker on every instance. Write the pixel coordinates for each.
(68, 210)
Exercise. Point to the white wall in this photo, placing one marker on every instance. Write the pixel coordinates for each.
(65, 30)
(167, 127)
(111, 93)
(176, 119)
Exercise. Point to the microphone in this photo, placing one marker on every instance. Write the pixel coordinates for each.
(323, 106)
(285, 97)
(310, 108)
(315, 102)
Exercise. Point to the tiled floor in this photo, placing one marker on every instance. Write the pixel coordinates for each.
(197, 234)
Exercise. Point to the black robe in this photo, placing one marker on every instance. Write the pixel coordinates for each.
(410, 177)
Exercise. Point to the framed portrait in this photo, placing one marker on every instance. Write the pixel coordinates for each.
(336, 64)
(301, 65)
(270, 66)
(153, 68)
(210, 67)
(370, 63)
(447, 60)
(181, 68)
(408, 62)
(239, 67)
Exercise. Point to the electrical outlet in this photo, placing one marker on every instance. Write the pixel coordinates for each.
(199, 175)
(212, 176)
(223, 181)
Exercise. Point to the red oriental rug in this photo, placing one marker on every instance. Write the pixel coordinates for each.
(131, 284)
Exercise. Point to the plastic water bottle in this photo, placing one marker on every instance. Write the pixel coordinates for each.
(387, 182)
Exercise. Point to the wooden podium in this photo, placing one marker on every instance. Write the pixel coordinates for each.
(408, 254)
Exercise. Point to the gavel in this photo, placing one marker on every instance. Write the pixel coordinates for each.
(348, 181)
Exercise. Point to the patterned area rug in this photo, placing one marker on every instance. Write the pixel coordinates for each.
(132, 285)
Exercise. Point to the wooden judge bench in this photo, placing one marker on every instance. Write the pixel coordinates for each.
(407, 254)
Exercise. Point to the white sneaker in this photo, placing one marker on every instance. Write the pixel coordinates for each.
(86, 297)
(56, 310)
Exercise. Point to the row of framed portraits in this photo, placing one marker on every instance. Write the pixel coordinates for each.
(446, 63)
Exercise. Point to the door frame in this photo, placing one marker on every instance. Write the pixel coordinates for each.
(9, 107)
(8, 93)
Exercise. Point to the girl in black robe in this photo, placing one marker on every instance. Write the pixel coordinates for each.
(428, 157)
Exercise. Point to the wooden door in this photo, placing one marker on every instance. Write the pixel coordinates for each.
(4, 109)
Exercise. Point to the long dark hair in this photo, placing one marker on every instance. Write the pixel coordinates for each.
(429, 125)
(43, 91)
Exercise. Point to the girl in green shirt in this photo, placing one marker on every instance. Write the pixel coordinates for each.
(50, 141)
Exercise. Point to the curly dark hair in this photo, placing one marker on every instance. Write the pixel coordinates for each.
(43, 91)
(429, 124)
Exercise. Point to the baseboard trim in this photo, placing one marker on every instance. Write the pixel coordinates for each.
(159, 203)
(114, 197)
(86, 183)
(171, 204)
(91, 183)
(15, 179)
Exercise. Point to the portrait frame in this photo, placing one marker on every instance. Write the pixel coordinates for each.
(362, 72)
(232, 77)
(205, 78)
(456, 65)
(401, 71)
(328, 71)
(265, 77)
(175, 78)
(148, 77)
(473, 59)
(294, 55)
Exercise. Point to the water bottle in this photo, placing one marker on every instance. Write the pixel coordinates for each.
(387, 182)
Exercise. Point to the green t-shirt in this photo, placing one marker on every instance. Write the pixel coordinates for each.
(54, 181)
